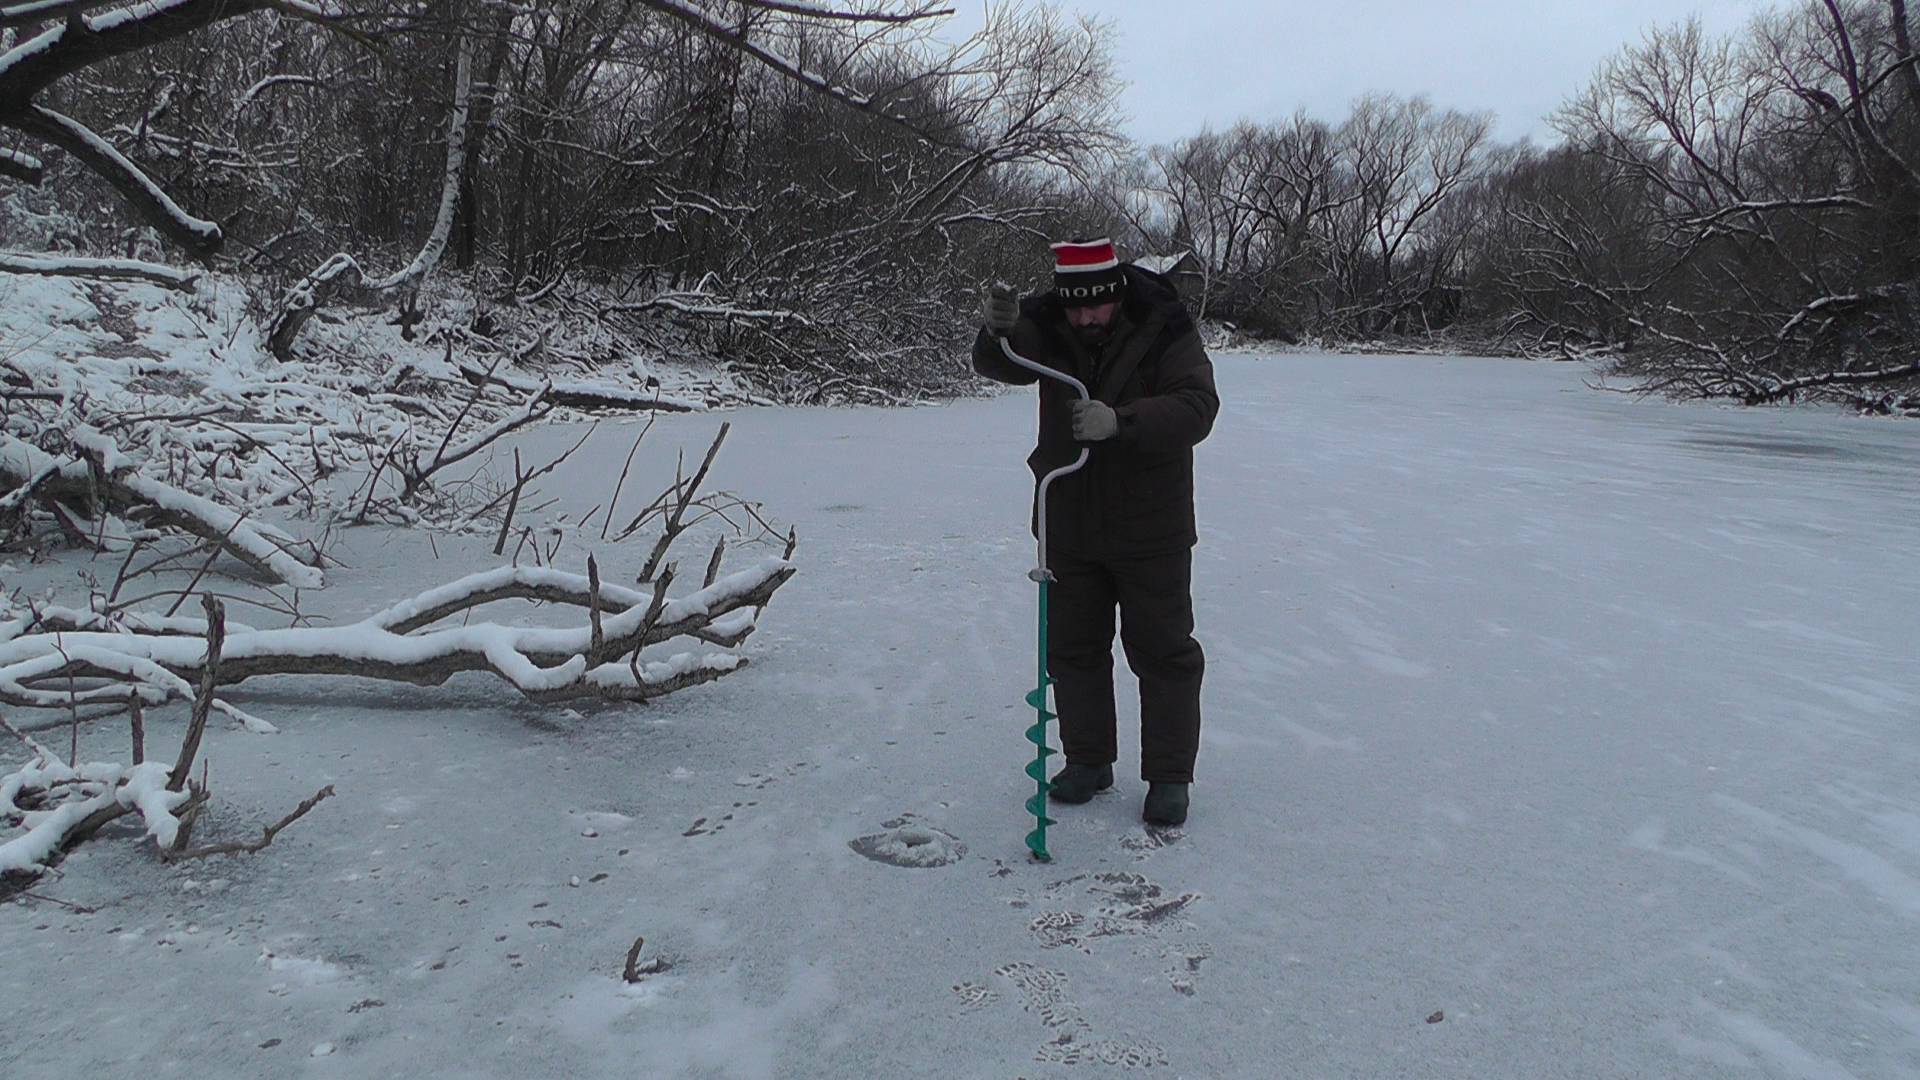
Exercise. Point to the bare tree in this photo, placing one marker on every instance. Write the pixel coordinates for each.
(1778, 181)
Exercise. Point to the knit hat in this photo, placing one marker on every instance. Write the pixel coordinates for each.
(1087, 272)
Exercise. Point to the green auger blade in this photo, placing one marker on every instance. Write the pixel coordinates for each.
(1037, 769)
(1037, 735)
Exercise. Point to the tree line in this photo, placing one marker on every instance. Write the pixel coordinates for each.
(825, 187)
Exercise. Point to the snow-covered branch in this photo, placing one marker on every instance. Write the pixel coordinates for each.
(543, 663)
(197, 235)
(44, 11)
(90, 796)
(1785, 388)
(100, 269)
(691, 304)
(60, 804)
(104, 472)
(71, 46)
(22, 166)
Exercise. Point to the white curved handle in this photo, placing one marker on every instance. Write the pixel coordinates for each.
(1041, 573)
(1007, 347)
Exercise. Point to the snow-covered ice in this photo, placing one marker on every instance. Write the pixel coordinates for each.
(1583, 724)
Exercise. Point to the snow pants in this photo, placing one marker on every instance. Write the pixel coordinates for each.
(1154, 596)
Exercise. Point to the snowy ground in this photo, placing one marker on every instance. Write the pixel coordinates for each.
(1549, 734)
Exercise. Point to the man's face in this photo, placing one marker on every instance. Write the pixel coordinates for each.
(1093, 323)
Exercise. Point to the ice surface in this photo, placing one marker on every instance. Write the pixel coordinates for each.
(1586, 723)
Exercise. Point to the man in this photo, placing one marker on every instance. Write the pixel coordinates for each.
(1121, 530)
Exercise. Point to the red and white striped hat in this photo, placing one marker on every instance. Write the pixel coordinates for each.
(1087, 272)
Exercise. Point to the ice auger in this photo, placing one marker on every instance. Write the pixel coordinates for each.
(1037, 734)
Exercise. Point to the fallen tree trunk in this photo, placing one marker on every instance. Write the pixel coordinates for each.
(98, 269)
(544, 664)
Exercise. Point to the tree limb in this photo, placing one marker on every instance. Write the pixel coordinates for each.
(201, 238)
(97, 269)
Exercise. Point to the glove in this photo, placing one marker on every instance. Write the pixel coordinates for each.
(1001, 310)
(1094, 421)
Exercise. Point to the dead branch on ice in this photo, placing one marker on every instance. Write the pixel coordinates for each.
(544, 664)
(59, 804)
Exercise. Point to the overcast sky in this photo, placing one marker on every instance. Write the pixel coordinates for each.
(1194, 63)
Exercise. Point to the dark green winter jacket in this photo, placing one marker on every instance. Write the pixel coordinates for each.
(1134, 498)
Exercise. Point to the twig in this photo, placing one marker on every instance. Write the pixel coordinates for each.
(672, 528)
(654, 608)
(203, 696)
(267, 834)
(212, 557)
(598, 640)
(18, 734)
(120, 578)
(75, 908)
(632, 971)
(519, 481)
(615, 501)
(139, 719)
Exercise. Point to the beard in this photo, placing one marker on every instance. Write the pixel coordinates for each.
(1095, 334)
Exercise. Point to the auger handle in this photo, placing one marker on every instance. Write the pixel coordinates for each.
(1007, 347)
(1041, 573)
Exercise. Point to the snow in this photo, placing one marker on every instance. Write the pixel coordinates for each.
(1160, 264)
(145, 790)
(1582, 721)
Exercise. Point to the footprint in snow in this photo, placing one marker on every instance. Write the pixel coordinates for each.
(1149, 840)
(1121, 906)
(1043, 992)
(974, 996)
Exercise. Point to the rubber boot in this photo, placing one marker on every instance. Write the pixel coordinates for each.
(1166, 804)
(1077, 783)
